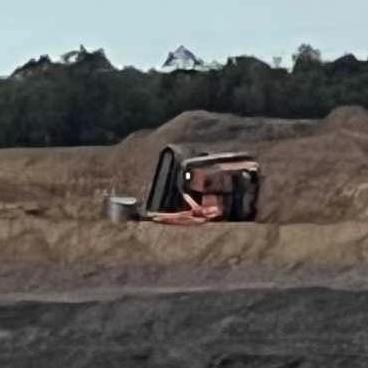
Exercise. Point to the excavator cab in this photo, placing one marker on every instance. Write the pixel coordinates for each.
(228, 181)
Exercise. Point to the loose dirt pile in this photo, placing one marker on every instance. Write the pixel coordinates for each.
(313, 171)
(313, 207)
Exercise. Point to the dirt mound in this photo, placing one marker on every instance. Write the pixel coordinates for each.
(312, 210)
(200, 128)
(205, 127)
(313, 171)
(319, 179)
(353, 119)
(311, 230)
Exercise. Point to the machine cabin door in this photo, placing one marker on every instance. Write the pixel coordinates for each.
(164, 194)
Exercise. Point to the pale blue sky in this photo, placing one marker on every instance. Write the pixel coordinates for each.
(141, 32)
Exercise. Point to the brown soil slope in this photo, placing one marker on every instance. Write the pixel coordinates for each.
(313, 207)
(312, 171)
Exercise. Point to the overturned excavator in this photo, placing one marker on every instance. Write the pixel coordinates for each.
(192, 186)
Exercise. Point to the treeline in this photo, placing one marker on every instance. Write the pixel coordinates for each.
(87, 101)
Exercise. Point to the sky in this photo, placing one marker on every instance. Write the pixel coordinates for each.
(142, 32)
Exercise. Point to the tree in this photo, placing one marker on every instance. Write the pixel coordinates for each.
(277, 61)
(306, 58)
(88, 101)
(306, 53)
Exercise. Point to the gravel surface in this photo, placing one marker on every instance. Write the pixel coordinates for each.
(245, 328)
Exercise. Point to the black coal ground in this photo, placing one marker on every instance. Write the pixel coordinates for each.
(249, 328)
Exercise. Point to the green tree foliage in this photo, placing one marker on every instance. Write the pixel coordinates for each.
(88, 101)
(307, 53)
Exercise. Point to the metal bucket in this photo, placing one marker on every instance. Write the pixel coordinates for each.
(122, 209)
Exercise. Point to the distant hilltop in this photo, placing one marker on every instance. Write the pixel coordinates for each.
(82, 59)
(184, 60)
(96, 61)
